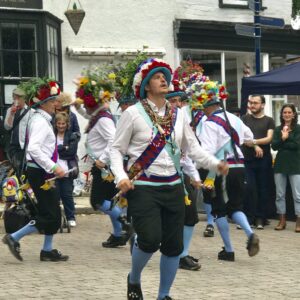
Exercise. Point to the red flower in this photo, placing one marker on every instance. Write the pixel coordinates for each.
(43, 93)
(89, 100)
(80, 93)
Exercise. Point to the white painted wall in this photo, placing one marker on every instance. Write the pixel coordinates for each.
(134, 23)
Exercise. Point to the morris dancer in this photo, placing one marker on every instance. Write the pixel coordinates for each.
(192, 182)
(152, 133)
(222, 134)
(95, 92)
(41, 164)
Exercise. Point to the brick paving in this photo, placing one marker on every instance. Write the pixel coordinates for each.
(94, 272)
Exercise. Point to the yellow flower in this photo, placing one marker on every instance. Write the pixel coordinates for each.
(105, 95)
(79, 101)
(83, 81)
(124, 81)
(112, 76)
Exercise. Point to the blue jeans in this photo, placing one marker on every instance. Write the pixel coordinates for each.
(65, 187)
(256, 198)
(280, 181)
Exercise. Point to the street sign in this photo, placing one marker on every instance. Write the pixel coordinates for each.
(271, 22)
(251, 5)
(245, 30)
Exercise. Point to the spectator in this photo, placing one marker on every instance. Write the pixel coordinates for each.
(286, 141)
(258, 162)
(16, 120)
(64, 100)
(67, 142)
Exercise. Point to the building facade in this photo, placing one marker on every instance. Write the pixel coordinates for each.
(37, 39)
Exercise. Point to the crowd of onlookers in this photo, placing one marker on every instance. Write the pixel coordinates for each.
(260, 163)
(67, 133)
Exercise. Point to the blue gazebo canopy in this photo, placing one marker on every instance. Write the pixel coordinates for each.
(281, 81)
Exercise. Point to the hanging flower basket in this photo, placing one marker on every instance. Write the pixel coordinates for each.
(75, 18)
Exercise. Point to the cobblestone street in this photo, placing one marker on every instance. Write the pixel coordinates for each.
(94, 272)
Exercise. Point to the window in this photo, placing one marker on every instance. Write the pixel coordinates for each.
(237, 4)
(18, 50)
(233, 3)
(30, 46)
(52, 50)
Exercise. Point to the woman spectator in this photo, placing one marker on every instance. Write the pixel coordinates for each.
(64, 100)
(286, 141)
(67, 142)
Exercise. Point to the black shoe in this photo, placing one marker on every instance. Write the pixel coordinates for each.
(126, 226)
(189, 263)
(134, 291)
(53, 255)
(224, 255)
(115, 241)
(167, 298)
(13, 246)
(253, 244)
(209, 231)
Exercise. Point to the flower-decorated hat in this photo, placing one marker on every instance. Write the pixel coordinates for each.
(95, 87)
(144, 73)
(203, 93)
(39, 90)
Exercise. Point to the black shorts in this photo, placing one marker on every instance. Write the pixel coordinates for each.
(48, 215)
(101, 190)
(158, 217)
(191, 215)
(235, 187)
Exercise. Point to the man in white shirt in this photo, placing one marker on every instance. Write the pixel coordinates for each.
(152, 133)
(100, 134)
(221, 135)
(192, 182)
(41, 158)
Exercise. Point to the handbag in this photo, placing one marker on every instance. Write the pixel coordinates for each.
(16, 217)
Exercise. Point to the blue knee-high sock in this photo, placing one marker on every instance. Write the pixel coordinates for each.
(138, 262)
(27, 229)
(113, 214)
(168, 269)
(210, 218)
(223, 228)
(187, 237)
(48, 242)
(239, 218)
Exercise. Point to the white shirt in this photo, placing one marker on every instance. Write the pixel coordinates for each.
(133, 135)
(188, 168)
(41, 144)
(22, 124)
(213, 136)
(100, 138)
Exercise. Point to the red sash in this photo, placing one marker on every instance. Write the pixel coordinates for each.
(154, 148)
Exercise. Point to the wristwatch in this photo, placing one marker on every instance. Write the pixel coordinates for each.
(254, 142)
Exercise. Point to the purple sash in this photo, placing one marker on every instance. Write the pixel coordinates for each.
(223, 123)
(94, 120)
(196, 119)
